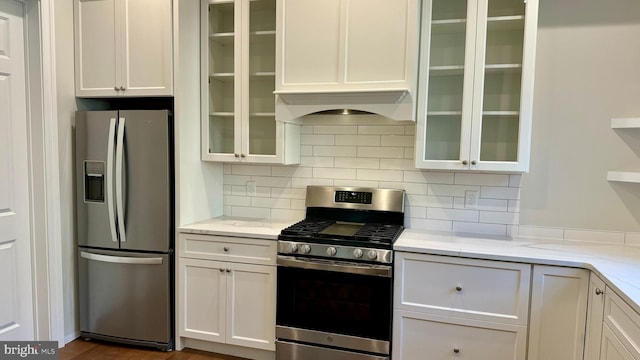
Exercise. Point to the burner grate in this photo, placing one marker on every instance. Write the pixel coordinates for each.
(382, 233)
(307, 228)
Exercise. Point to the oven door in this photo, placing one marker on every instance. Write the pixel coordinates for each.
(334, 303)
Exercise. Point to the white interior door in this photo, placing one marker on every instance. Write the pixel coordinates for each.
(16, 305)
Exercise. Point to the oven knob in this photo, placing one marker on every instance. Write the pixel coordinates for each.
(357, 253)
(293, 248)
(372, 254)
(331, 251)
(305, 249)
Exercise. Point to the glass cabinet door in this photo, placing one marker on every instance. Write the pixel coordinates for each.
(221, 92)
(501, 35)
(450, 79)
(261, 127)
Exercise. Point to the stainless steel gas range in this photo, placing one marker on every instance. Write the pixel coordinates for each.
(335, 267)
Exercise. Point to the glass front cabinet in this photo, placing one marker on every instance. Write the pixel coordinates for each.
(238, 79)
(476, 84)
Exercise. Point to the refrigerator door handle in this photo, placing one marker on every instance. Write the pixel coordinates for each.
(121, 259)
(109, 186)
(119, 193)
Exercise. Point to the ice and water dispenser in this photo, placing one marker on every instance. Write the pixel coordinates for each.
(94, 181)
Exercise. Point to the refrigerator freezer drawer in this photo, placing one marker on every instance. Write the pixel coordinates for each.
(125, 295)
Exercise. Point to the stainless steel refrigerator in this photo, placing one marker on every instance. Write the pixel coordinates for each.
(125, 226)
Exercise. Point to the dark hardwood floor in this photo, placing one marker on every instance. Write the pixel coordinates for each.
(81, 349)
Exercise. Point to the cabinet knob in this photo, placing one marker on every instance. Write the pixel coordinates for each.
(116, 88)
(122, 88)
(458, 288)
(243, 155)
(228, 270)
(236, 155)
(456, 350)
(465, 162)
(599, 292)
(473, 162)
(221, 270)
(226, 248)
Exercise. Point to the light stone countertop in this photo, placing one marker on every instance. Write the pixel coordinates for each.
(238, 227)
(618, 265)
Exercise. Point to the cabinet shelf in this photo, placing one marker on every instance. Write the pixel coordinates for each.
(448, 26)
(501, 23)
(264, 74)
(223, 39)
(263, 114)
(222, 114)
(624, 176)
(444, 113)
(503, 67)
(625, 123)
(500, 113)
(263, 33)
(446, 70)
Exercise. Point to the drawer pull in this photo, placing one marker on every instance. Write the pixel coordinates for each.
(458, 288)
(221, 270)
(226, 248)
(456, 351)
(228, 270)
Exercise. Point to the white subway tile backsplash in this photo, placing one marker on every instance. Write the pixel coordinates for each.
(306, 150)
(289, 193)
(297, 204)
(431, 177)
(452, 214)
(397, 140)
(494, 192)
(235, 179)
(450, 190)
(481, 179)
(317, 139)
(380, 175)
(479, 228)
(396, 164)
(306, 129)
(596, 236)
(227, 189)
(357, 163)
(263, 191)
(515, 180)
(483, 204)
(273, 181)
(304, 182)
(346, 151)
(332, 173)
(430, 201)
(381, 130)
(427, 224)
(242, 169)
(335, 129)
(409, 153)
(237, 200)
(415, 212)
(226, 210)
(358, 183)
(358, 140)
(250, 212)
(283, 214)
(499, 217)
(317, 161)
(410, 130)
(273, 203)
(292, 171)
(226, 169)
(380, 152)
(238, 190)
(514, 206)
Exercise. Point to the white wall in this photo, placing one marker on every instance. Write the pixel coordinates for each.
(587, 71)
(66, 108)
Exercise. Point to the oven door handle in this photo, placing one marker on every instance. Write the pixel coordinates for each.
(330, 265)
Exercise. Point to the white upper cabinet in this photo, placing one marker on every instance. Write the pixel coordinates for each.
(238, 40)
(476, 84)
(356, 54)
(123, 48)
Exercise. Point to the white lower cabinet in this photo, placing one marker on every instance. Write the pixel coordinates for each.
(558, 313)
(230, 302)
(595, 316)
(612, 348)
(417, 335)
(448, 307)
(620, 329)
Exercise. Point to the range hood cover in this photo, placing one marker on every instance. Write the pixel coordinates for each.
(394, 104)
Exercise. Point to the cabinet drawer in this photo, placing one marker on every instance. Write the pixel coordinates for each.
(466, 288)
(623, 321)
(421, 336)
(225, 248)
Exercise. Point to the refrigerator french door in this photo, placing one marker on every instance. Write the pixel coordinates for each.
(125, 226)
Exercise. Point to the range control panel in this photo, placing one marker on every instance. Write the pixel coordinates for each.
(353, 197)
